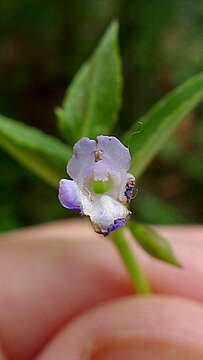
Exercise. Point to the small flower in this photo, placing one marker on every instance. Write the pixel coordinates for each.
(101, 187)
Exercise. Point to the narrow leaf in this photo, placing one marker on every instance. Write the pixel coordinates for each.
(153, 243)
(159, 123)
(43, 154)
(92, 102)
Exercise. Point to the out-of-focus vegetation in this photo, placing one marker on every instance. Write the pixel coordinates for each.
(43, 43)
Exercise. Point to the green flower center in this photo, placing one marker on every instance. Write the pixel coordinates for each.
(100, 186)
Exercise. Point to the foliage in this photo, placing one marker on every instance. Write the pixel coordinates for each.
(44, 44)
(153, 243)
(161, 121)
(41, 153)
(92, 102)
(90, 108)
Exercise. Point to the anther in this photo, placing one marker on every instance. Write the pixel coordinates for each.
(98, 155)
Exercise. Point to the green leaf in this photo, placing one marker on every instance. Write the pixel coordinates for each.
(92, 102)
(159, 123)
(43, 154)
(153, 243)
(163, 211)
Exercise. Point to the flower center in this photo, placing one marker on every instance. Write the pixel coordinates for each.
(100, 186)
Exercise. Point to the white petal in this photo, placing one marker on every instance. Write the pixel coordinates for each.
(103, 210)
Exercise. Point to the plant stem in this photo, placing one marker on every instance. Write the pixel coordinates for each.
(138, 279)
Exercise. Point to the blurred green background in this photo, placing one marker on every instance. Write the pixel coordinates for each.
(43, 43)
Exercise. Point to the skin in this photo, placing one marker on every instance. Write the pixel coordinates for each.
(64, 294)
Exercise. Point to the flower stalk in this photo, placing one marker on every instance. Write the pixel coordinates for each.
(138, 279)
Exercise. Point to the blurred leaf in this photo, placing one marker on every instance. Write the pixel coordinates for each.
(192, 166)
(171, 152)
(41, 153)
(153, 243)
(198, 133)
(154, 210)
(92, 102)
(159, 123)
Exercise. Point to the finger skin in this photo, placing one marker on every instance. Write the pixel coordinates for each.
(142, 327)
(45, 284)
(2, 354)
(73, 229)
(167, 279)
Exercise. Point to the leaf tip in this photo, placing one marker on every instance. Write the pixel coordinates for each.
(177, 263)
(113, 28)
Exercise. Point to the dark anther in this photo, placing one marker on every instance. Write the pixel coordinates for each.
(129, 189)
(98, 155)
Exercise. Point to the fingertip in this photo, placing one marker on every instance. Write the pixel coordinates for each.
(144, 328)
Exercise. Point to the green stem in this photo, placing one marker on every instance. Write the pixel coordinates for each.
(139, 281)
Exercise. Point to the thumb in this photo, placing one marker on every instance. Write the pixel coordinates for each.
(141, 327)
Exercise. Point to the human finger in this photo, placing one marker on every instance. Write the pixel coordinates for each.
(46, 283)
(142, 327)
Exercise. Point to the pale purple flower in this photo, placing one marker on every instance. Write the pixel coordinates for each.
(106, 161)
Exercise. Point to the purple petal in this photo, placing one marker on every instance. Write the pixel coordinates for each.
(114, 152)
(68, 195)
(116, 225)
(83, 158)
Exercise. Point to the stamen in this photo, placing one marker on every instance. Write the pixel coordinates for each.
(129, 189)
(98, 155)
